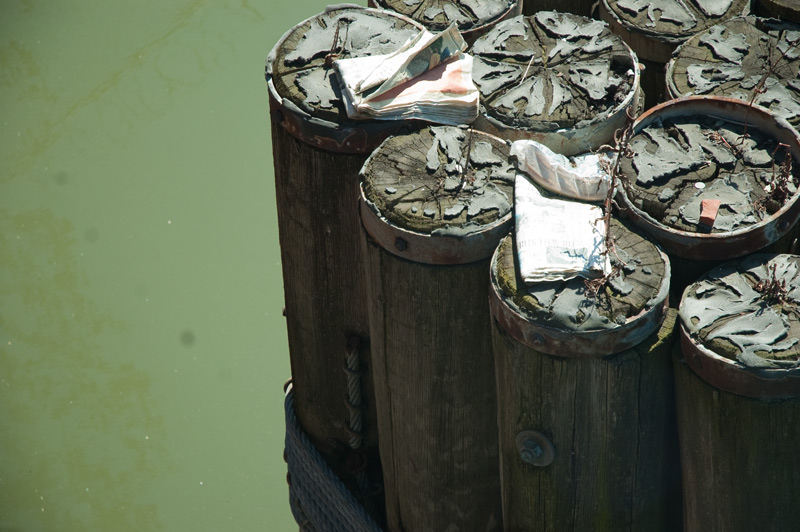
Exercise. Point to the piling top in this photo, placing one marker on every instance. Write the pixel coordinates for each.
(301, 79)
(741, 323)
(577, 318)
(470, 16)
(712, 178)
(751, 59)
(654, 29)
(557, 78)
(441, 195)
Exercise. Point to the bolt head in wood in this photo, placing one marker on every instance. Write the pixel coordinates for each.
(535, 448)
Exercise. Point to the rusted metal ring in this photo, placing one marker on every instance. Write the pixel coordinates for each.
(732, 376)
(433, 249)
(729, 244)
(576, 344)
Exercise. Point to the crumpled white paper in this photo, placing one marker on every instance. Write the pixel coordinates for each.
(584, 177)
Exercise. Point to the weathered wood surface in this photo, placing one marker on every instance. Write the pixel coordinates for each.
(784, 9)
(738, 458)
(550, 72)
(611, 420)
(576, 7)
(739, 453)
(751, 59)
(472, 17)
(319, 227)
(429, 325)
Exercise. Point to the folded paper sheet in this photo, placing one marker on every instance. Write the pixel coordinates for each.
(584, 177)
(557, 239)
(428, 78)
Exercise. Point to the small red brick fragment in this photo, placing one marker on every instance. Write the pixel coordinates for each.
(708, 211)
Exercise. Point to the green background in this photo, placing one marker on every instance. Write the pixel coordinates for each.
(142, 347)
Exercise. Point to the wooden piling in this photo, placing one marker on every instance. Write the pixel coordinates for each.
(747, 58)
(317, 154)
(737, 381)
(586, 415)
(432, 220)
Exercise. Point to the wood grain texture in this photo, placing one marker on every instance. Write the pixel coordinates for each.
(612, 422)
(429, 327)
(319, 226)
(741, 471)
(316, 193)
(435, 393)
(610, 418)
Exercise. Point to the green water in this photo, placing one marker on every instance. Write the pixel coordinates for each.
(142, 347)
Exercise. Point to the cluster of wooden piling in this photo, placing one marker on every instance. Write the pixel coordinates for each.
(444, 392)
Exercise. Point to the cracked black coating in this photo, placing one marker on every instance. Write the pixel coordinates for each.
(678, 162)
(730, 313)
(746, 58)
(421, 181)
(565, 305)
(674, 20)
(551, 70)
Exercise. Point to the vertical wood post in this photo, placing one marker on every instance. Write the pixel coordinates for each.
(317, 154)
(434, 206)
(600, 397)
(738, 396)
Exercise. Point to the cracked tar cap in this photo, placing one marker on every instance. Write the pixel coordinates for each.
(751, 59)
(685, 153)
(301, 79)
(563, 80)
(740, 325)
(654, 29)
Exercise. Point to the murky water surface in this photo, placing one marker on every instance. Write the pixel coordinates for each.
(142, 348)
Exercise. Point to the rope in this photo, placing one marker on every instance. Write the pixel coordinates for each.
(320, 502)
(356, 407)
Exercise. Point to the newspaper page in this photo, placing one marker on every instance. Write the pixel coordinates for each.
(557, 239)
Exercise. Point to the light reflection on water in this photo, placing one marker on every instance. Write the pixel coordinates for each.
(142, 348)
